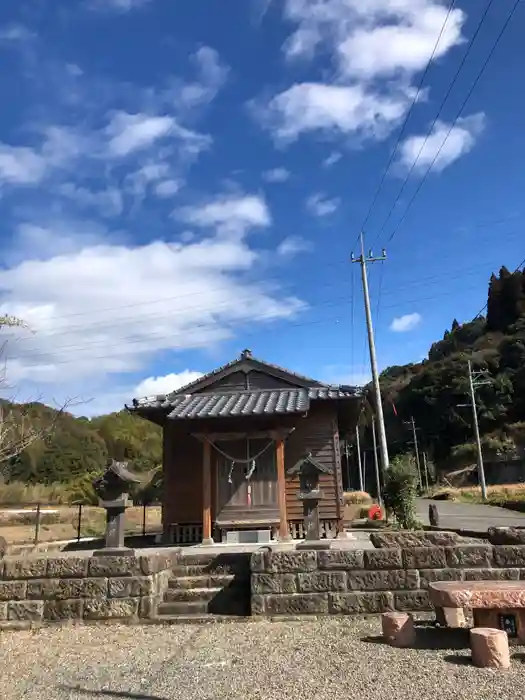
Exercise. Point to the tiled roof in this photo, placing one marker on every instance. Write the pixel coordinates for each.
(241, 403)
(246, 355)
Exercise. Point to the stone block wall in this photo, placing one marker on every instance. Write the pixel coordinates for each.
(81, 588)
(353, 582)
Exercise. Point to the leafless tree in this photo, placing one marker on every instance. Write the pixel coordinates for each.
(18, 428)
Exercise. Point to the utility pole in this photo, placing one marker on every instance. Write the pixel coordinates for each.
(376, 462)
(425, 469)
(412, 424)
(359, 465)
(472, 386)
(363, 260)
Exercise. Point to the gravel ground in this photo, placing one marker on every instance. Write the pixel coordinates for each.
(334, 659)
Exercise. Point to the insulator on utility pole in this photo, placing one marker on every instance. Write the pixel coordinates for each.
(363, 260)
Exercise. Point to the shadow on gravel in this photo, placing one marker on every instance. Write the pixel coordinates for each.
(458, 660)
(112, 693)
(430, 637)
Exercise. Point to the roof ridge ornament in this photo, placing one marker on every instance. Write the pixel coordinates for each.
(246, 354)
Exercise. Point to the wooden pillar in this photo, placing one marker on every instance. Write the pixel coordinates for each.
(206, 494)
(284, 533)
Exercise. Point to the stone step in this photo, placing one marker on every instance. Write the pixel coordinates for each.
(174, 595)
(183, 608)
(180, 571)
(214, 569)
(213, 581)
(197, 619)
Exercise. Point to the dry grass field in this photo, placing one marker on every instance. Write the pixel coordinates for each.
(472, 494)
(17, 525)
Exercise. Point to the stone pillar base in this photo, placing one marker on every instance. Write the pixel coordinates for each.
(490, 648)
(450, 617)
(398, 629)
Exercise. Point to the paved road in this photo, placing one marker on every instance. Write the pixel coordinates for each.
(470, 516)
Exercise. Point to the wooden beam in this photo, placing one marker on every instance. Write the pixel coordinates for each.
(214, 437)
(206, 494)
(284, 533)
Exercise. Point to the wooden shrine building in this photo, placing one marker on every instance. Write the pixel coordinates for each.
(234, 441)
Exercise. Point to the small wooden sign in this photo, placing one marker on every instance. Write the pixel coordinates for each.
(508, 624)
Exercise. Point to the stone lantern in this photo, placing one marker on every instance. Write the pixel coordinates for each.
(309, 471)
(112, 490)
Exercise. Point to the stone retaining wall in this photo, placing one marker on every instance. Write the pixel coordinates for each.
(351, 582)
(81, 588)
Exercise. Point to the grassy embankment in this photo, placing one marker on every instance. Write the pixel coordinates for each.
(511, 496)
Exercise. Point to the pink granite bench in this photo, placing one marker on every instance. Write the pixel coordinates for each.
(495, 604)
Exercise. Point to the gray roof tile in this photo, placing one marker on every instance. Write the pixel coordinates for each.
(241, 403)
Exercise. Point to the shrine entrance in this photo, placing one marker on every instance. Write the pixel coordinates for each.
(246, 481)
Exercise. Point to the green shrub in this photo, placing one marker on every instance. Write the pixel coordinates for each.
(400, 491)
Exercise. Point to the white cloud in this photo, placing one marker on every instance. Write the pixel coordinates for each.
(211, 76)
(441, 145)
(276, 175)
(332, 159)
(116, 5)
(167, 188)
(371, 38)
(376, 48)
(21, 165)
(346, 110)
(405, 323)
(108, 310)
(153, 386)
(292, 245)
(131, 132)
(15, 33)
(229, 213)
(320, 205)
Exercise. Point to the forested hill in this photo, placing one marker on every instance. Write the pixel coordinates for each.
(432, 391)
(74, 450)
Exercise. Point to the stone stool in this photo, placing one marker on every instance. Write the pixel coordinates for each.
(490, 648)
(398, 629)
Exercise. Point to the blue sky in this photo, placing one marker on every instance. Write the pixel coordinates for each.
(179, 181)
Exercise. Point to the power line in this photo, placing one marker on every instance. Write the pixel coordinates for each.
(123, 320)
(406, 120)
(123, 352)
(463, 105)
(447, 94)
(461, 274)
(133, 339)
(177, 297)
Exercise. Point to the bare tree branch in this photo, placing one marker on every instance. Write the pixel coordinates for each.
(18, 428)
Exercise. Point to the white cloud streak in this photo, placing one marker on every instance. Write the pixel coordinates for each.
(276, 175)
(441, 148)
(319, 205)
(403, 324)
(376, 47)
